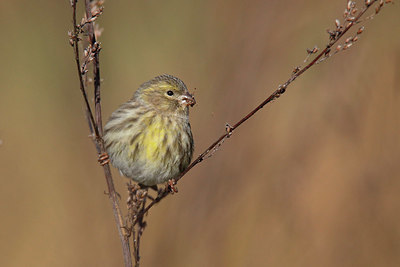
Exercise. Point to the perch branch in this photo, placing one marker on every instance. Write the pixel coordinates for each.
(335, 36)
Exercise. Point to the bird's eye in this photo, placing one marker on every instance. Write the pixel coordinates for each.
(170, 93)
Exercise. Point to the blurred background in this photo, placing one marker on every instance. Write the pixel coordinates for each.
(311, 180)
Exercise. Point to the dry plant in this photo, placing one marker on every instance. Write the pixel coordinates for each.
(133, 224)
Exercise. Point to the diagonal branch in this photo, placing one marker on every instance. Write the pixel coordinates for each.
(335, 36)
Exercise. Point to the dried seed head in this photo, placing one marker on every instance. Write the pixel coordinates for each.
(355, 39)
(338, 48)
(143, 194)
(351, 18)
(315, 50)
(332, 34)
(349, 5)
(347, 46)
(337, 23)
(360, 30)
(71, 38)
(368, 2)
(354, 11)
(348, 40)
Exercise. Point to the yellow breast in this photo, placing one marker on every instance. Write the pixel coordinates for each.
(154, 140)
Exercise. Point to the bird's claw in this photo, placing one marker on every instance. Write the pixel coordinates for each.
(103, 159)
(172, 186)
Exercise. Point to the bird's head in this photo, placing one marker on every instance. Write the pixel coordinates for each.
(166, 94)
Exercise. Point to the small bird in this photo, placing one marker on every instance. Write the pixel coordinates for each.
(149, 138)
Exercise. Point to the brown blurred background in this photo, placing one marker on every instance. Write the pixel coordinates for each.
(311, 180)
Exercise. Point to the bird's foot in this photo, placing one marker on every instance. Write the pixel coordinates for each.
(172, 186)
(146, 187)
(103, 159)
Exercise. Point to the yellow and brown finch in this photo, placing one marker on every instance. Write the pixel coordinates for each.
(149, 137)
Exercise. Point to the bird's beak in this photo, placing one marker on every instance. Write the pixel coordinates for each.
(187, 100)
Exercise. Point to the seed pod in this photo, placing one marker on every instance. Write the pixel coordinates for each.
(349, 5)
(337, 23)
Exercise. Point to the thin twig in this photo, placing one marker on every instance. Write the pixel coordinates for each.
(141, 226)
(75, 40)
(276, 94)
(97, 124)
(136, 203)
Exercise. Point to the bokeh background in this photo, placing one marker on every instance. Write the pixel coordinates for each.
(312, 180)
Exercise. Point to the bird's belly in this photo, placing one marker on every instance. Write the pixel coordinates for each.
(158, 155)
